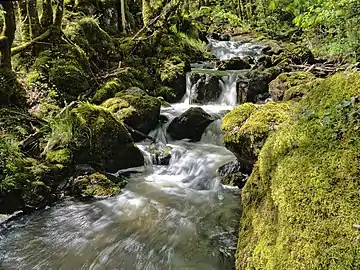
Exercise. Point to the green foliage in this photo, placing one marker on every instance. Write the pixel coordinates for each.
(302, 198)
(11, 93)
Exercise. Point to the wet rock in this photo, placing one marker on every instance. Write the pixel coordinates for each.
(264, 61)
(236, 63)
(206, 88)
(190, 125)
(254, 82)
(160, 154)
(234, 174)
(136, 109)
(285, 81)
(96, 185)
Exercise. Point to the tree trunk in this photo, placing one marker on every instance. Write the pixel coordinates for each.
(59, 14)
(123, 16)
(23, 14)
(146, 11)
(33, 14)
(8, 36)
(47, 15)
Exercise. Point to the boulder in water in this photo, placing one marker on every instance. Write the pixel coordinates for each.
(91, 135)
(235, 63)
(136, 109)
(234, 174)
(284, 81)
(96, 185)
(190, 125)
(206, 88)
(255, 82)
(160, 154)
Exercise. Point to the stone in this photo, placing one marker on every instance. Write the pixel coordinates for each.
(285, 81)
(190, 125)
(205, 88)
(236, 63)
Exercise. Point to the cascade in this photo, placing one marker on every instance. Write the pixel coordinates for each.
(177, 216)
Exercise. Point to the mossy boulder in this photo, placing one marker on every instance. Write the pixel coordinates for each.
(125, 80)
(25, 183)
(136, 109)
(98, 46)
(297, 92)
(63, 69)
(190, 125)
(248, 125)
(301, 202)
(11, 93)
(172, 74)
(91, 135)
(284, 81)
(96, 185)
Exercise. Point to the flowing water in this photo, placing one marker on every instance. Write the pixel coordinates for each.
(168, 217)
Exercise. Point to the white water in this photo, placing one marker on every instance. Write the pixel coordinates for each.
(168, 217)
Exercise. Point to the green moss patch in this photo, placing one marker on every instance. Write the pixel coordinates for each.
(302, 199)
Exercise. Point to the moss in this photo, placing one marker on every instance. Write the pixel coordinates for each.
(247, 127)
(171, 69)
(93, 136)
(96, 43)
(63, 68)
(62, 156)
(11, 93)
(298, 91)
(302, 199)
(284, 81)
(135, 108)
(129, 78)
(94, 185)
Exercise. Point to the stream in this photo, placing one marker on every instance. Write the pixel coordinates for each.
(168, 217)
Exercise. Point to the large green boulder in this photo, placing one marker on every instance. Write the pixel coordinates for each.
(136, 109)
(285, 81)
(248, 125)
(91, 135)
(301, 202)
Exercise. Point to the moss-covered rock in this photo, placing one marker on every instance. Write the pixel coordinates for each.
(96, 185)
(136, 109)
(302, 199)
(297, 92)
(190, 125)
(236, 63)
(25, 183)
(125, 80)
(172, 74)
(284, 81)
(63, 69)
(247, 127)
(92, 135)
(98, 46)
(234, 174)
(11, 93)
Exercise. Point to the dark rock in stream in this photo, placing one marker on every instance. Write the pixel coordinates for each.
(234, 174)
(207, 88)
(160, 154)
(236, 63)
(190, 125)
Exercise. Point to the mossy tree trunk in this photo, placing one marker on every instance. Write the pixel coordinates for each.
(35, 27)
(146, 11)
(47, 15)
(123, 16)
(23, 15)
(59, 14)
(7, 38)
